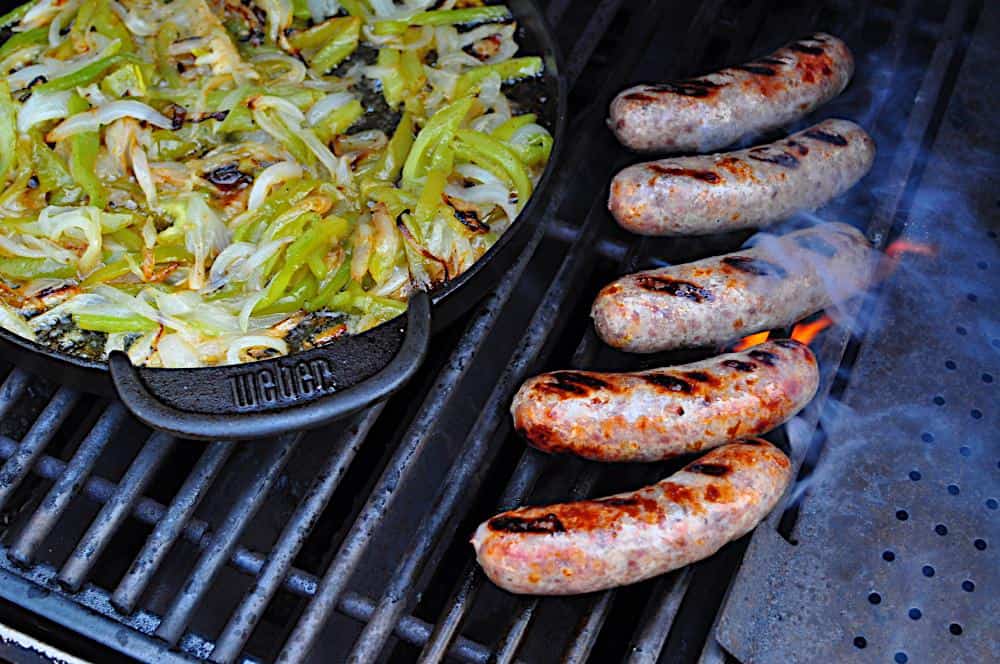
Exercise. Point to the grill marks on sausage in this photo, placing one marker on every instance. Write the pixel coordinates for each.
(770, 61)
(752, 68)
(509, 523)
(802, 47)
(764, 357)
(788, 343)
(780, 158)
(704, 176)
(739, 365)
(675, 287)
(572, 382)
(713, 469)
(690, 88)
(798, 147)
(826, 137)
(756, 266)
(669, 383)
(817, 245)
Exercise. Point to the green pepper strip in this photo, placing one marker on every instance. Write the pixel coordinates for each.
(339, 120)
(286, 137)
(514, 69)
(52, 172)
(439, 131)
(341, 44)
(84, 148)
(430, 200)
(397, 200)
(318, 35)
(508, 128)
(276, 204)
(120, 268)
(86, 75)
(393, 85)
(8, 130)
(302, 292)
(166, 36)
(15, 15)
(398, 149)
(296, 256)
(112, 324)
(35, 268)
(330, 286)
(109, 23)
(445, 17)
(497, 157)
(357, 8)
(19, 40)
(80, 28)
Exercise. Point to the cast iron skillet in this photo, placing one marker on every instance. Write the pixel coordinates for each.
(310, 388)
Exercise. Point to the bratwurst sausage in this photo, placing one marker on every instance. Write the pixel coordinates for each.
(743, 189)
(658, 414)
(712, 111)
(709, 302)
(597, 544)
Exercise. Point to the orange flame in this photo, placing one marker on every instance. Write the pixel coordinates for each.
(751, 341)
(900, 247)
(807, 332)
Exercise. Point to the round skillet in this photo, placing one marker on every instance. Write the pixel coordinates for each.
(309, 388)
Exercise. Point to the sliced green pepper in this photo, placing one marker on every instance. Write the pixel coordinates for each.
(166, 36)
(112, 324)
(84, 148)
(330, 286)
(108, 23)
(340, 44)
(87, 75)
(439, 131)
(15, 15)
(430, 200)
(494, 156)
(397, 150)
(35, 268)
(445, 17)
(393, 85)
(357, 8)
(8, 130)
(508, 128)
(312, 239)
(250, 228)
(53, 175)
(120, 268)
(514, 69)
(19, 40)
(339, 120)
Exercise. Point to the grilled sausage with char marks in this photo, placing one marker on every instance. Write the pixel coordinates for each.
(779, 281)
(658, 414)
(593, 545)
(712, 111)
(743, 189)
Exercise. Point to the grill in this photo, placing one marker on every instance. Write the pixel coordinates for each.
(350, 543)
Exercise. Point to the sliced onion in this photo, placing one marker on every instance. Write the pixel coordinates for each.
(271, 176)
(140, 167)
(247, 309)
(283, 106)
(136, 24)
(320, 10)
(43, 106)
(254, 341)
(338, 168)
(11, 321)
(362, 251)
(36, 247)
(491, 194)
(296, 69)
(93, 119)
(176, 353)
(61, 19)
(327, 105)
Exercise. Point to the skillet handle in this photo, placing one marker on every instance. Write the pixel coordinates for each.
(300, 391)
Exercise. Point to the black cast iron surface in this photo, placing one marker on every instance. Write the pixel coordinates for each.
(351, 543)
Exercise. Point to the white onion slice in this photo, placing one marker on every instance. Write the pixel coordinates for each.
(327, 105)
(43, 106)
(140, 167)
(283, 106)
(93, 119)
(12, 322)
(176, 353)
(270, 177)
(320, 10)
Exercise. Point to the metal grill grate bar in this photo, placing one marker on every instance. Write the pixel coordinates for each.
(224, 540)
(251, 609)
(67, 486)
(170, 526)
(20, 462)
(113, 513)
(11, 390)
(659, 618)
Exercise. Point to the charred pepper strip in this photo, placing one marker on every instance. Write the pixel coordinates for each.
(445, 17)
(84, 148)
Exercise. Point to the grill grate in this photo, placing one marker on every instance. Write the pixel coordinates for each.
(352, 542)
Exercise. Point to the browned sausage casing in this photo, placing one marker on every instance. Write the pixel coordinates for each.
(743, 189)
(712, 111)
(654, 415)
(779, 281)
(592, 545)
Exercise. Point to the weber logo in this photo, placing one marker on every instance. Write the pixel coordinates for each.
(287, 384)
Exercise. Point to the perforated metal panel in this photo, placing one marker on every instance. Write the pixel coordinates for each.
(894, 556)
